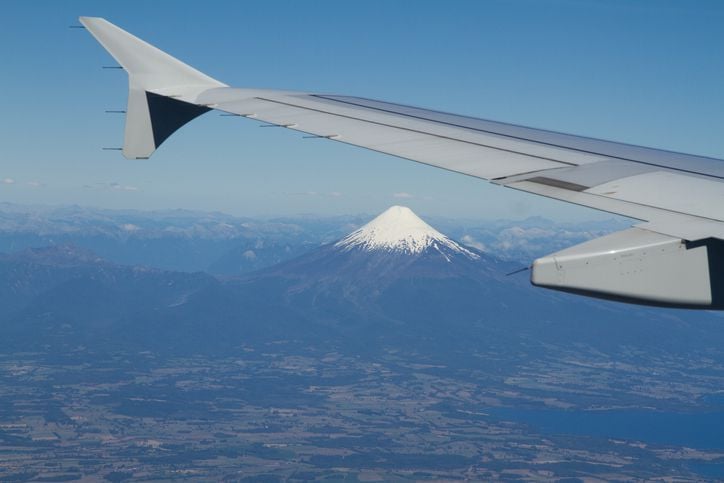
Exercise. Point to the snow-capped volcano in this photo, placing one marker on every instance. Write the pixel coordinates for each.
(394, 257)
(400, 230)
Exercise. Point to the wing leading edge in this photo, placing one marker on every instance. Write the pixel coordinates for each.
(677, 197)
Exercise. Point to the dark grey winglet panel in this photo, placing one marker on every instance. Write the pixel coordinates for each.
(169, 114)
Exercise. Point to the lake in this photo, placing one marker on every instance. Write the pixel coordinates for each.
(701, 430)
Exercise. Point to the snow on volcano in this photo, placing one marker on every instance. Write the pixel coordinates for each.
(399, 230)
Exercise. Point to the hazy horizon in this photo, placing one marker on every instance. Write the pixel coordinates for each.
(600, 217)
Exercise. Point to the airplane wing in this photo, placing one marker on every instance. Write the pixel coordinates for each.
(673, 257)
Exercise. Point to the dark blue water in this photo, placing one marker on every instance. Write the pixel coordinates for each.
(703, 430)
(711, 470)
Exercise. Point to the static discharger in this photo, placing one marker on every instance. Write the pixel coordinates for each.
(279, 125)
(520, 270)
(322, 136)
(231, 114)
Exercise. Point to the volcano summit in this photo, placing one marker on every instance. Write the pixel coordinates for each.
(398, 229)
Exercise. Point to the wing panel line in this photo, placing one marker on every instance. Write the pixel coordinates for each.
(417, 131)
(520, 138)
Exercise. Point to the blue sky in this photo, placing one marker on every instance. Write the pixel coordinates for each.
(643, 72)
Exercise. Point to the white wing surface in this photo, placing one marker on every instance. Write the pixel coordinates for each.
(672, 257)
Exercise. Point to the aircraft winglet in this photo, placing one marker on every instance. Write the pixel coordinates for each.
(161, 89)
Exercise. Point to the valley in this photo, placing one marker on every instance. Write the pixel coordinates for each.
(286, 411)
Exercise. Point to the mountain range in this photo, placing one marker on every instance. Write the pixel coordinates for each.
(394, 281)
(222, 244)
